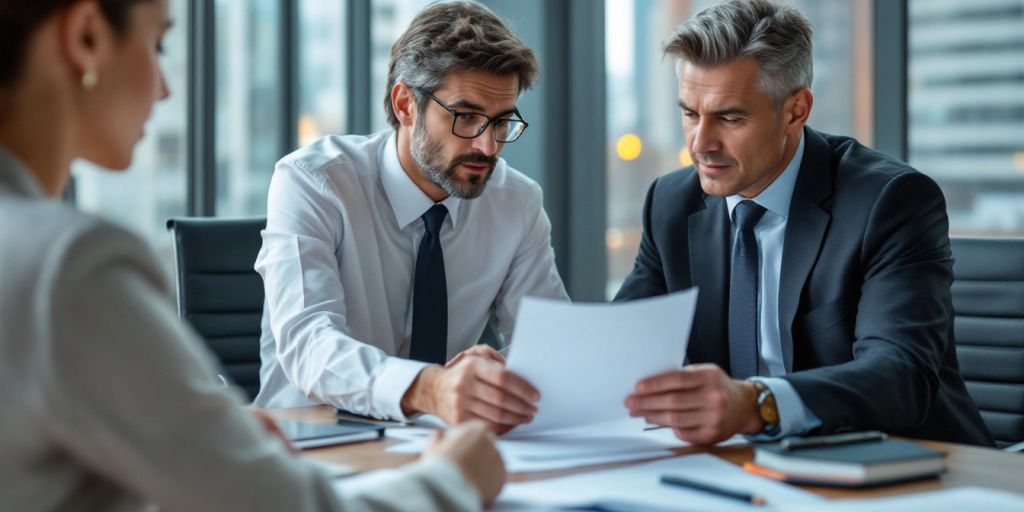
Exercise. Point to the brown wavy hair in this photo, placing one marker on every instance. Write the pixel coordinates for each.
(456, 36)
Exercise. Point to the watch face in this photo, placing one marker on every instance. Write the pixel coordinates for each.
(766, 408)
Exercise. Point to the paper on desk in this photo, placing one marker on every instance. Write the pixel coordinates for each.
(945, 500)
(586, 358)
(574, 447)
(638, 488)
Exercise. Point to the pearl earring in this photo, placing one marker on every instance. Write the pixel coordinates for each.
(89, 79)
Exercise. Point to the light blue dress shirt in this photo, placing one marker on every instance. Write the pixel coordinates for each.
(794, 416)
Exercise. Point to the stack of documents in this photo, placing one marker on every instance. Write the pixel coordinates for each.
(565, 448)
(639, 488)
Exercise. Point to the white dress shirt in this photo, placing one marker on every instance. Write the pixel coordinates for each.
(338, 257)
(770, 232)
(109, 403)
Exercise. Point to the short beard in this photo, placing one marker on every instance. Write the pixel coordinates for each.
(427, 154)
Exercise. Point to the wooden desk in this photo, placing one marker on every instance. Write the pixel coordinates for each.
(967, 465)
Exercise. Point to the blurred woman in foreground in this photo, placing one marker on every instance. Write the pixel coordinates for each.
(107, 401)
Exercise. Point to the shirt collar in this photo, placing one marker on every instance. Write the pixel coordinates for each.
(407, 200)
(777, 196)
(14, 174)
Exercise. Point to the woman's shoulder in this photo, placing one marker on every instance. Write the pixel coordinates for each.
(60, 238)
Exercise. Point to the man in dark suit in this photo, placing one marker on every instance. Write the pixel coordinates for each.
(823, 266)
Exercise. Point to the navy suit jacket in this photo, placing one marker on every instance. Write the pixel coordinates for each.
(864, 299)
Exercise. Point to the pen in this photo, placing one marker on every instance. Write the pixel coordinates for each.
(833, 440)
(712, 489)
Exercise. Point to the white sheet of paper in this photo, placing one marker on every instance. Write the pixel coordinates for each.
(586, 358)
(410, 433)
(957, 499)
(567, 448)
(638, 488)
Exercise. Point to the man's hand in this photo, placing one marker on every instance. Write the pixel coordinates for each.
(484, 351)
(472, 449)
(700, 403)
(473, 386)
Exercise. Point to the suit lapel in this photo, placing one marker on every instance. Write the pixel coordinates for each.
(805, 233)
(709, 264)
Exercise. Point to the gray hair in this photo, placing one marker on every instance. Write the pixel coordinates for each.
(451, 37)
(777, 36)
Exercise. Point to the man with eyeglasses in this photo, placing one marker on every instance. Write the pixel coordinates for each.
(385, 256)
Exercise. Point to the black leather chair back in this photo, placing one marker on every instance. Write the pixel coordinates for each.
(219, 293)
(988, 300)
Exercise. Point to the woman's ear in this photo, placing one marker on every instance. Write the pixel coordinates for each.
(86, 39)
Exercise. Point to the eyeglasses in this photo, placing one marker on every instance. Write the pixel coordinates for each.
(469, 125)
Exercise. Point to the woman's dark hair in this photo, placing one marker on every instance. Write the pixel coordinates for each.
(20, 18)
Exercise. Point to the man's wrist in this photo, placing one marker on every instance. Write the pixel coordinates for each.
(753, 423)
(420, 395)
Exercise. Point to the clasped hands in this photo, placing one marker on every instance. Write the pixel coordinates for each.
(700, 402)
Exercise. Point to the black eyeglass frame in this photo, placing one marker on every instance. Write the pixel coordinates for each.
(483, 128)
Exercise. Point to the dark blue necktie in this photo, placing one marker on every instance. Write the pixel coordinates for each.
(430, 294)
(743, 292)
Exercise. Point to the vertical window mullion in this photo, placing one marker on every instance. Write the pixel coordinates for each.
(202, 171)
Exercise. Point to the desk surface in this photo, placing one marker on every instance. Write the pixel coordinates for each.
(967, 465)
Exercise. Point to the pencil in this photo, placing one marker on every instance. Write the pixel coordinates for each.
(712, 489)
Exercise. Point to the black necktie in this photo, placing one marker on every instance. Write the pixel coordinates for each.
(743, 293)
(430, 294)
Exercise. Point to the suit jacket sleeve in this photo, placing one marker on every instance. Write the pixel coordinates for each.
(902, 327)
(647, 277)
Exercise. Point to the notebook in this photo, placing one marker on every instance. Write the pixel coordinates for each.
(312, 435)
(849, 465)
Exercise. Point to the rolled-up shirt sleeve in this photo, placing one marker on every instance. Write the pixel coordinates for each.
(306, 302)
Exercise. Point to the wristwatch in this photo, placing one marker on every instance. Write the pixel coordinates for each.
(767, 410)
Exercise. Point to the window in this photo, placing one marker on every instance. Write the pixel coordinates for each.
(966, 109)
(249, 129)
(321, 51)
(154, 188)
(248, 103)
(645, 138)
(389, 18)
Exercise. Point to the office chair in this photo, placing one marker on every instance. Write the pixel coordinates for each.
(988, 303)
(219, 293)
